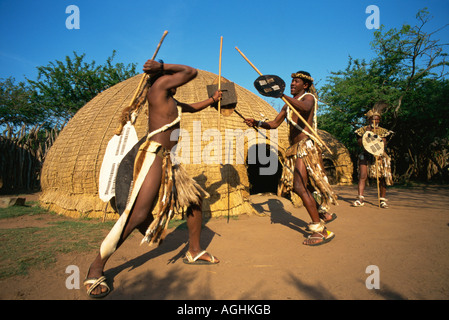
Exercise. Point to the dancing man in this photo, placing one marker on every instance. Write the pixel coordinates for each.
(370, 165)
(303, 170)
(159, 186)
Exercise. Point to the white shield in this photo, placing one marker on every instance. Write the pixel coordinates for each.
(373, 143)
(117, 148)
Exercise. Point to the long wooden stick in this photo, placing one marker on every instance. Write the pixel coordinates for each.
(377, 172)
(219, 83)
(159, 44)
(377, 178)
(289, 105)
(144, 76)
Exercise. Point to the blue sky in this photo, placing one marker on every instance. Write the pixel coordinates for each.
(279, 37)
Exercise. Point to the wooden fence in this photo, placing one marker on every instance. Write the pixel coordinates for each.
(22, 154)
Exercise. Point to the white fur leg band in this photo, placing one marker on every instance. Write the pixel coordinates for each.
(317, 227)
(109, 244)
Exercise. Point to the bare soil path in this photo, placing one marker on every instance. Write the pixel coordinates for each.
(262, 256)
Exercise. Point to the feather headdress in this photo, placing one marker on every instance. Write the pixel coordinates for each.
(376, 110)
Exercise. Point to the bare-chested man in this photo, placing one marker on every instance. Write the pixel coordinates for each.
(163, 118)
(301, 142)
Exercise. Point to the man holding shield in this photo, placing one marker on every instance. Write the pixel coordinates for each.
(373, 162)
(303, 170)
(160, 185)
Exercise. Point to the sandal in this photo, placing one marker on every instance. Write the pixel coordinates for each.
(195, 260)
(95, 283)
(359, 202)
(383, 203)
(325, 238)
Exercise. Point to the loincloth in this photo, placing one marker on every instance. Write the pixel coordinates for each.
(383, 168)
(311, 155)
(177, 192)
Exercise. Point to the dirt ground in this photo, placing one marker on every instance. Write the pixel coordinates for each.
(262, 257)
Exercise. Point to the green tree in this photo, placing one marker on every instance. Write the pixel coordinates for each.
(32, 112)
(15, 106)
(408, 55)
(409, 76)
(63, 87)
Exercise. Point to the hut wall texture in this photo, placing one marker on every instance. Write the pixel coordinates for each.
(340, 158)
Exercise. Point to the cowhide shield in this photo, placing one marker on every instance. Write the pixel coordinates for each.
(373, 143)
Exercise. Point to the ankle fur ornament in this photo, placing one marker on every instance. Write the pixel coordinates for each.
(317, 227)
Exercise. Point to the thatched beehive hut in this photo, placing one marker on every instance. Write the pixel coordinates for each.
(339, 166)
(70, 173)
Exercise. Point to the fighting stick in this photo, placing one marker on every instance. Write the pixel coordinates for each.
(219, 83)
(144, 76)
(377, 171)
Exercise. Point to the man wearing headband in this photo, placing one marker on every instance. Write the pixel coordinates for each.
(304, 170)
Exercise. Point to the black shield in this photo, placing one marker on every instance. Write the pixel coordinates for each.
(124, 179)
(270, 86)
(229, 96)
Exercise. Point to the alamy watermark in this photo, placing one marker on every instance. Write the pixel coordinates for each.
(73, 280)
(373, 20)
(73, 20)
(231, 150)
(373, 280)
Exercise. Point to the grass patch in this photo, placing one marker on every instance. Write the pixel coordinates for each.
(29, 247)
(17, 211)
(24, 248)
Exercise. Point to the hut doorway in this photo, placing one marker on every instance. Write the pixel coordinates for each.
(263, 172)
(331, 171)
